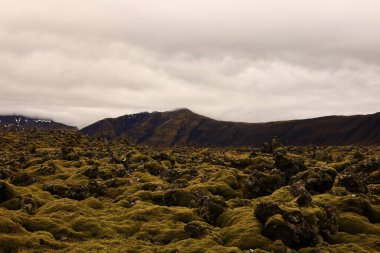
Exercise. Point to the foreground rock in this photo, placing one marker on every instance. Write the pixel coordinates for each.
(297, 227)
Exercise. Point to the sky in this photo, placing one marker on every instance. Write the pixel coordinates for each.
(79, 61)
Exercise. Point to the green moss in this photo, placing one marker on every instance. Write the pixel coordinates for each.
(157, 202)
(222, 249)
(366, 241)
(91, 227)
(36, 242)
(7, 225)
(33, 162)
(64, 206)
(241, 229)
(93, 203)
(339, 248)
(260, 163)
(190, 246)
(54, 226)
(282, 195)
(353, 223)
(12, 204)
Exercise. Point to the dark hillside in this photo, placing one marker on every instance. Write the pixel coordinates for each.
(183, 127)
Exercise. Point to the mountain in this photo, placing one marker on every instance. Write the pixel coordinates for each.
(16, 122)
(183, 127)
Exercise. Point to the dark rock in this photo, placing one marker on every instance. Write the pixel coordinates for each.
(161, 157)
(297, 188)
(262, 184)
(316, 180)
(46, 170)
(78, 192)
(293, 216)
(154, 168)
(328, 224)
(211, 207)
(294, 227)
(171, 174)
(5, 172)
(68, 153)
(113, 182)
(264, 210)
(322, 155)
(92, 172)
(304, 199)
(370, 165)
(272, 145)
(97, 188)
(105, 175)
(22, 179)
(195, 229)
(178, 197)
(241, 163)
(353, 183)
(149, 187)
(358, 156)
(289, 165)
(58, 190)
(180, 183)
(120, 172)
(6, 192)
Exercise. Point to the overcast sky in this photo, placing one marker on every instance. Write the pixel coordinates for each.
(78, 61)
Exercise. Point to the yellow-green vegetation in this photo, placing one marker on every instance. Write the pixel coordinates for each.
(61, 191)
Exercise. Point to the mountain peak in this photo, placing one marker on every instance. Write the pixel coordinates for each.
(183, 110)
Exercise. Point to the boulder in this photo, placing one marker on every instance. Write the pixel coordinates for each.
(295, 227)
(211, 207)
(262, 184)
(195, 229)
(289, 165)
(22, 179)
(46, 170)
(92, 172)
(78, 192)
(270, 147)
(304, 200)
(6, 172)
(353, 183)
(178, 197)
(264, 210)
(6, 192)
(97, 188)
(59, 190)
(316, 180)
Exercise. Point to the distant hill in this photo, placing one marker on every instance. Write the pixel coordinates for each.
(16, 122)
(183, 127)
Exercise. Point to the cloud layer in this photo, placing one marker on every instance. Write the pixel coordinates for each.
(244, 60)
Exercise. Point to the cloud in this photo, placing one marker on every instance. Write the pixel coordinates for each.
(80, 61)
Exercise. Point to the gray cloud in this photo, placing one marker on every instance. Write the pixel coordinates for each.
(244, 60)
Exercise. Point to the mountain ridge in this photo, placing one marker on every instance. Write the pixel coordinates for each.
(184, 127)
(20, 122)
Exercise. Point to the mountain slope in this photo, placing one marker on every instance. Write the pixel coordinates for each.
(183, 127)
(16, 122)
